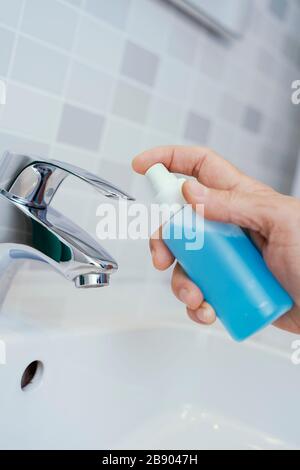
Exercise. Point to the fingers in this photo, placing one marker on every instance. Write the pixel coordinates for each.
(189, 294)
(185, 290)
(258, 240)
(205, 314)
(200, 162)
(162, 258)
(290, 321)
(249, 210)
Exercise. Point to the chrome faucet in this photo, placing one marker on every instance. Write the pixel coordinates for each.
(31, 229)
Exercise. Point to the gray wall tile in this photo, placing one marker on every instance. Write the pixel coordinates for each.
(266, 62)
(166, 116)
(80, 128)
(10, 12)
(75, 3)
(51, 21)
(120, 174)
(39, 66)
(131, 102)
(6, 42)
(140, 64)
(174, 80)
(231, 109)
(18, 144)
(183, 43)
(271, 157)
(149, 24)
(252, 119)
(213, 60)
(279, 8)
(122, 141)
(89, 86)
(30, 113)
(99, 45)
(291, 48)
(115, 12)
(197, 128)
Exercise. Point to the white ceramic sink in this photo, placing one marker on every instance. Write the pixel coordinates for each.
(139, 382)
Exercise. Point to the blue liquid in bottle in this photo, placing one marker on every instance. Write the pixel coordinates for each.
(231, 273)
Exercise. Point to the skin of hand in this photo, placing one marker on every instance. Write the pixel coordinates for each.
(230, 196)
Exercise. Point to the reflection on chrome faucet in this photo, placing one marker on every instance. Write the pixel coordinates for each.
(32, 229)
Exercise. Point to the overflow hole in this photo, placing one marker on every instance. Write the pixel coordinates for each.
(32, 376)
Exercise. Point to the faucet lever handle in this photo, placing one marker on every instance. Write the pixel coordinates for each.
(34, 181)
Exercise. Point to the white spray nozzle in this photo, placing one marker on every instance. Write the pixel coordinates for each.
(160, 177)
(165, 184)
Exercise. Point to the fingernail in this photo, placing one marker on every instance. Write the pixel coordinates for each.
(204, 315)
(197, 190)
(184, 296)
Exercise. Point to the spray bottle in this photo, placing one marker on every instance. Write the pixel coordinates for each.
(227, 267)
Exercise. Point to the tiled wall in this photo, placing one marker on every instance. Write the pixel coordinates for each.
(94, 82)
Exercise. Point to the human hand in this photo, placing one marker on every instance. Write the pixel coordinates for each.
(230, 196)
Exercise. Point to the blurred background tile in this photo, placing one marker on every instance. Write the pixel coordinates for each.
(174, 79)
(166, 116)
(51, 21)
(197, 128)
(10, 12)
(149, 23)
(183, 42)
(90, 86)
(31, 113)
(279, 8)
(7, 42)
(73, 121)
(131, 102)
(99, 45)
(75, 3)
(39, 66)
(231, 109)
(115, 12)
(253, 119)
(17, 144)
(122, 140)
(139, 64)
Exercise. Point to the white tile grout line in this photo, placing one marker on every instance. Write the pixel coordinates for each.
(13, 54)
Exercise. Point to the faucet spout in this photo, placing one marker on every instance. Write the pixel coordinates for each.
(92, 280)
(32, 229)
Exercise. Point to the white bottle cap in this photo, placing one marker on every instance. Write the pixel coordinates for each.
(167, 186)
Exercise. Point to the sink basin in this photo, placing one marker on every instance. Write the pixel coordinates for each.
(149, 383)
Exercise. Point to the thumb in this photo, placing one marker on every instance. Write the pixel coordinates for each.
(247, 210)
